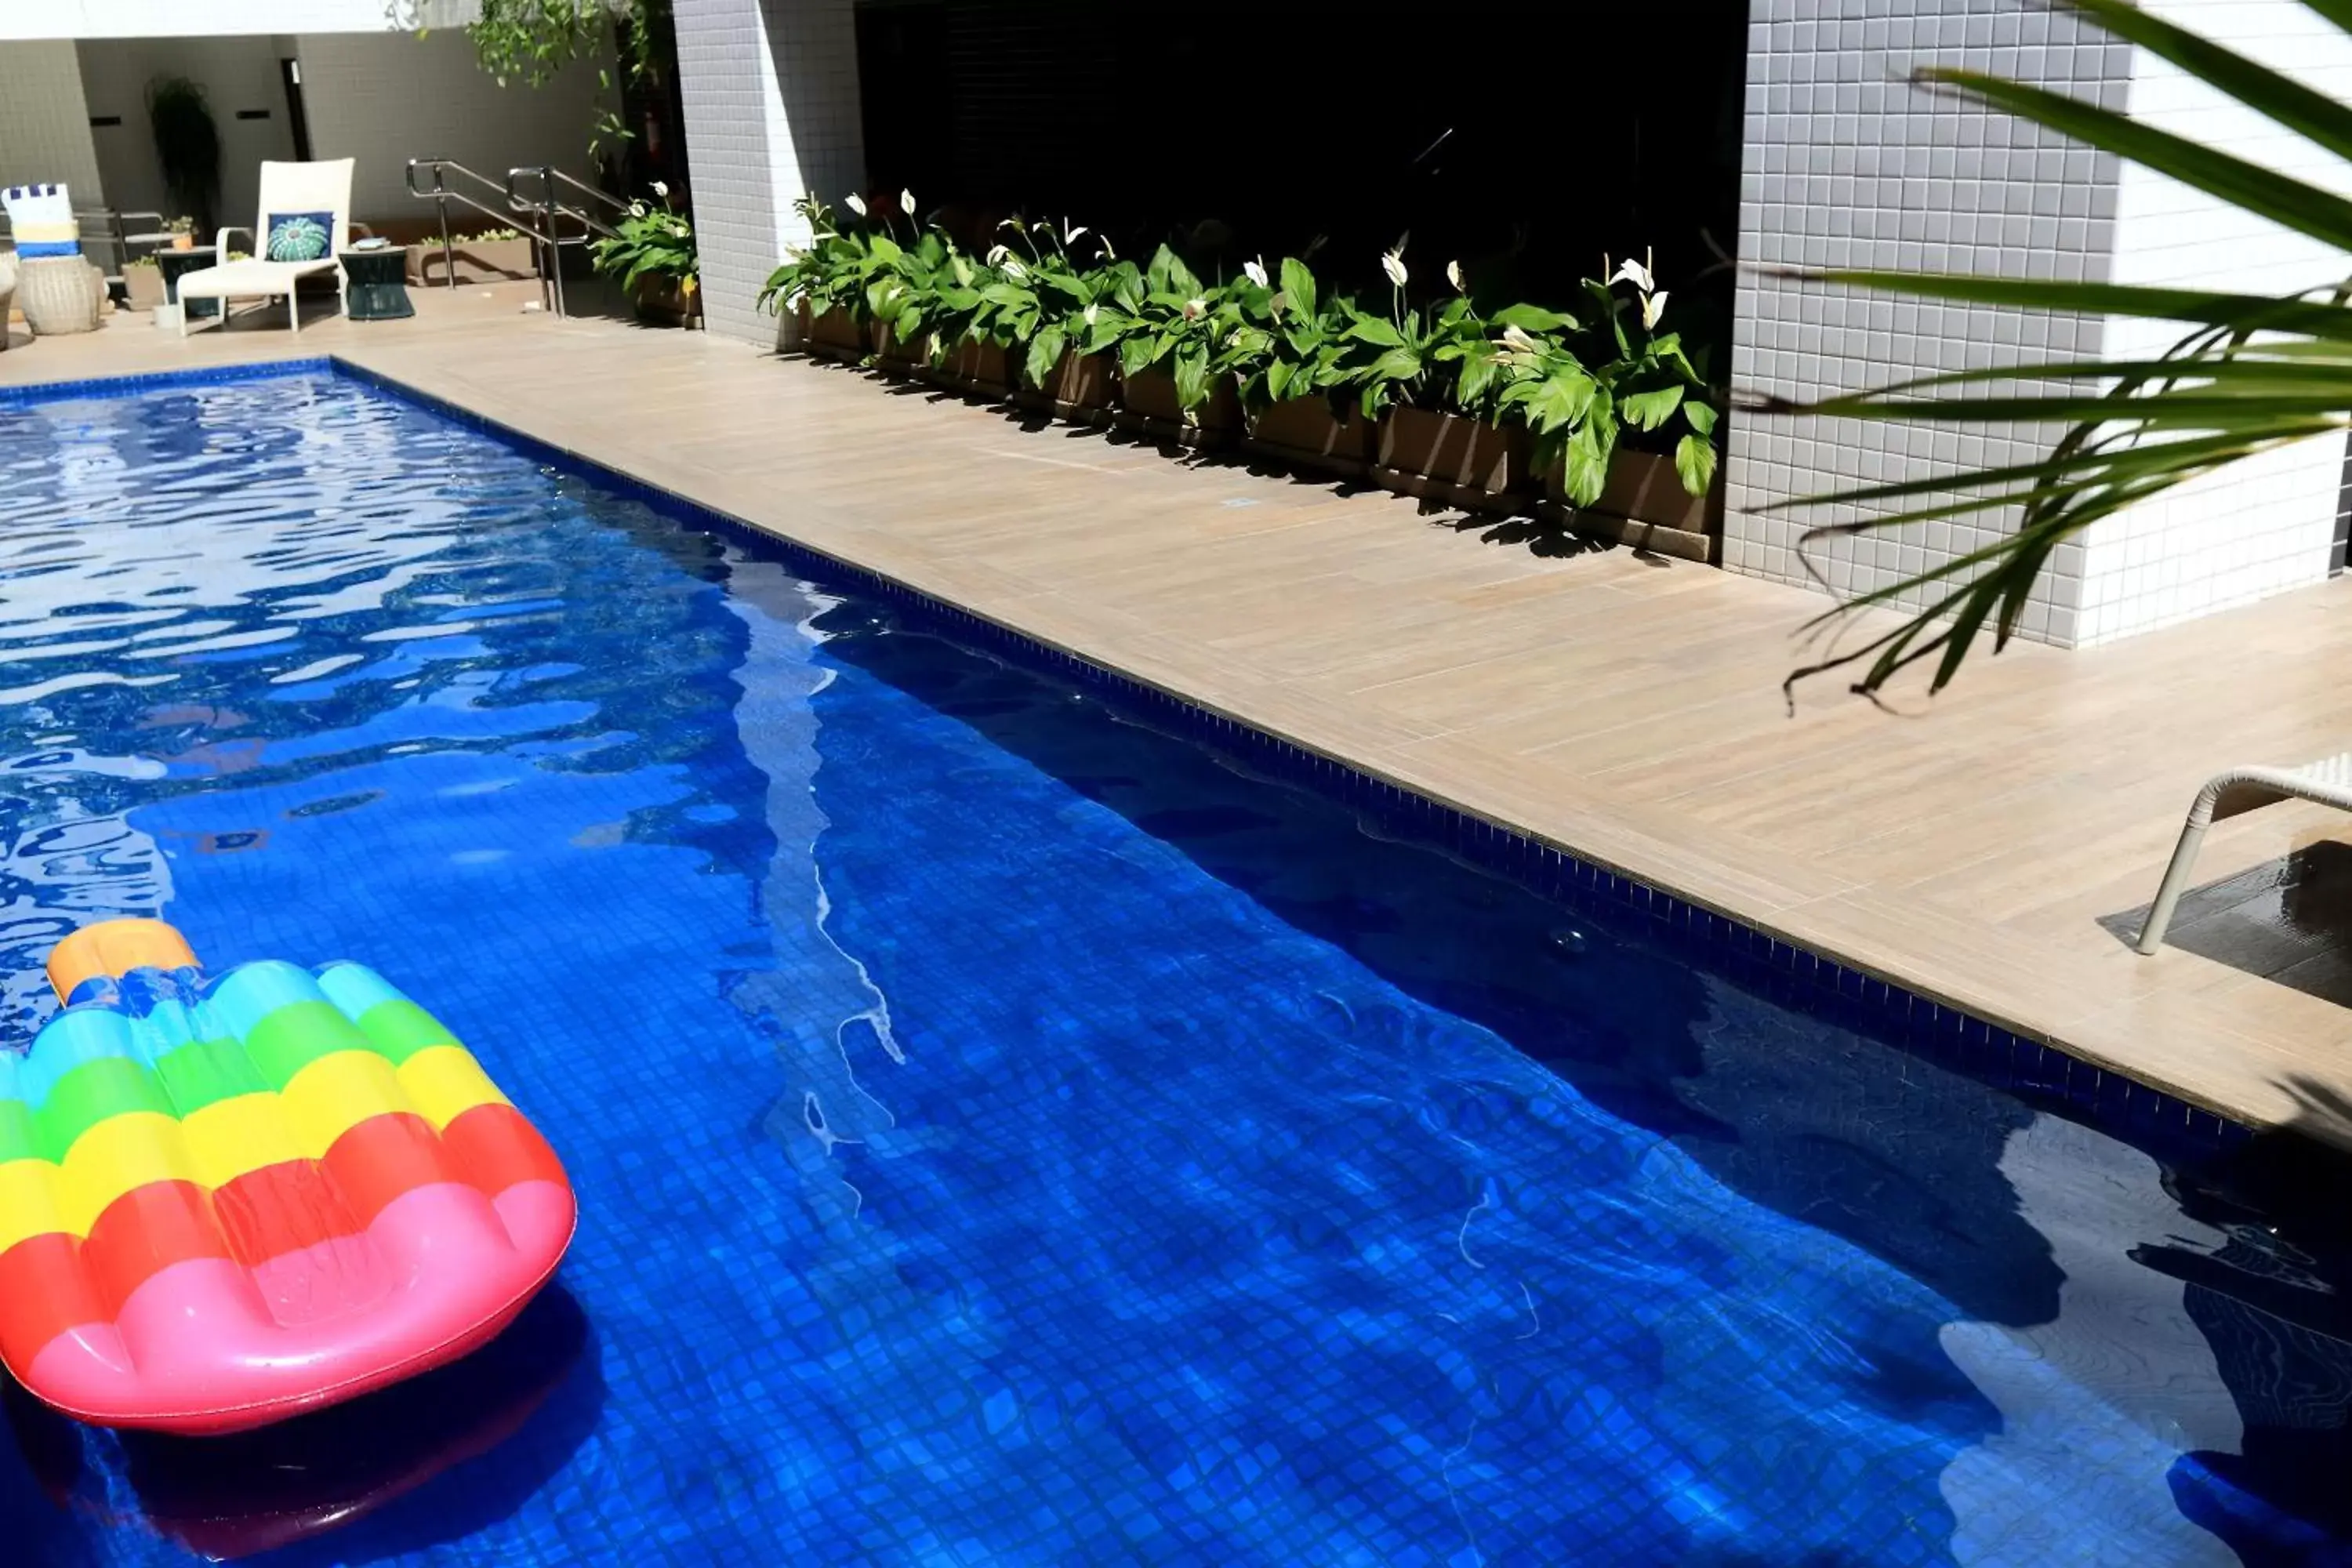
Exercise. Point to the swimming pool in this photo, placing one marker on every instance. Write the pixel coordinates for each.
(1009, 1133)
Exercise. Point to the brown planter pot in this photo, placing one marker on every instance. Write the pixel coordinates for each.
(903, 360)
(1077, 388)
(663, 303)
(477, 261)
(978, 368)
(1452, 459)
(1149, 404)
(835, 334)
(1304, 431)
(1644, 504)
(143, 286)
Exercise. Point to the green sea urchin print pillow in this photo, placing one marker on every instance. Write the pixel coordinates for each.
(298, 237)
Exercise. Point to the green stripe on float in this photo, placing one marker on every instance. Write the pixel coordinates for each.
(291, 1038)
(90, 1094)
(398, 1029)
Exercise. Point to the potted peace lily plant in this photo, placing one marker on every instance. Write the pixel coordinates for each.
(1429, 377)
(651, 254)
(1049, 311)
(1178, 352)
(1292, 392)
(821, 284)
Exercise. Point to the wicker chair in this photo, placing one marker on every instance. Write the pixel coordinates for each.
(7, 293)
(59, 294)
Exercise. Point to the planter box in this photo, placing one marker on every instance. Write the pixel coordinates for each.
(1305, 432)
(479, 261)
(1644, 504)
(835, 334)
(1451, 459)
(979, 369)
(1077, 389)
(1148, 406)
(660, 302)
(143, 287)
(904, 360)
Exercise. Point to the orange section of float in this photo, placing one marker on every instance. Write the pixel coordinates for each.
(226, 1199)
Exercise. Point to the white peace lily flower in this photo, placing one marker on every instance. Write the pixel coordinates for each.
(636, 209)
(660, 189)
(997, 253)
(1013, 269)
(1393, 264)
(1453, 276)
(1072, 237)
(1653, 306)
(854, 202)
(1091, 312)
(1516, 339)
(1255, 272)
(907, 202)
(1195, 309)
(1636, 274)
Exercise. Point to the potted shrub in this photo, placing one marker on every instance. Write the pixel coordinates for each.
(1641, 382)
(1178, 353)
(1292, 395)
(651, 254)
(1049, 312)
(182, 231)
(143, 283)
(824, 284)
(1430, 378)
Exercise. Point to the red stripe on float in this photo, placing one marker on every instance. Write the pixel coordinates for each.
(383, 1157)
(44, 1290)
(278, 1209)
(144, 1231)
(496, 1146)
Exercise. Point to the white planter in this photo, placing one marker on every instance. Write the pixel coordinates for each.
(166, 317)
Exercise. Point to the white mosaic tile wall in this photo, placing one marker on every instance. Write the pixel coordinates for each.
(44, 121)
(2264, 526)
(772, 112)
(1847, 164)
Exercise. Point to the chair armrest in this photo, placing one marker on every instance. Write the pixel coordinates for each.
(220, 240)
(358, 228)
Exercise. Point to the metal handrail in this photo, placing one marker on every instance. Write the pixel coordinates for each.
(554, 210)
(440, 193)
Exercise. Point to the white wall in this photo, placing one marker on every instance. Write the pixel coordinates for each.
(217, 18)
(2263, 526)
(386, 98)
(235, 73)
(44, 123)
(772, 112)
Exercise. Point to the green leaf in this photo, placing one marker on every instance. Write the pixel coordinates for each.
(2278, 98)
(1299, 286)
(1397, 364)
(1373, 330)
(1694, 463)
(1191, 380)
(1556, 401)
(1701, 415)
(1277, 379)
(1135, 355)
(2307, 209)
(1585, 465)
(1648, 410)
(1045, 354)
(882, 247)
(1533, 318)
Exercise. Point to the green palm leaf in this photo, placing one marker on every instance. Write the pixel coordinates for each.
(2253, 373)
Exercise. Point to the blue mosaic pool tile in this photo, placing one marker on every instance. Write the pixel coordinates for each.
(150, 381)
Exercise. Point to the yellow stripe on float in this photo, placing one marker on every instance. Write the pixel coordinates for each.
(336, 1093)
(29, 1203)
(230, 1138)
(446, 1082)
(124, 1151)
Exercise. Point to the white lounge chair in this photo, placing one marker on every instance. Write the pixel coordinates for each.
(302, 191)
(2327, 781)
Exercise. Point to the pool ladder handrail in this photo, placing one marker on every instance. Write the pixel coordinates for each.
(558, 201)
(508, 210)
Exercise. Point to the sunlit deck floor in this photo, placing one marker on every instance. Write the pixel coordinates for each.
(1990, 848)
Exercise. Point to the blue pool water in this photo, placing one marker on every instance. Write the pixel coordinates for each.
(1008, 1134)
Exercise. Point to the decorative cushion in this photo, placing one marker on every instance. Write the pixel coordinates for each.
(42, 219)
(299, 236)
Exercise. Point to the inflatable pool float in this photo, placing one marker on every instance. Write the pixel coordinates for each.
(226, 1199)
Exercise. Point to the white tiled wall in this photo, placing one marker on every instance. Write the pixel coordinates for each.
(2266, 525)
(235, 73)
(772, 112)
(385, 97)
(45, 123)
(1847, 164)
